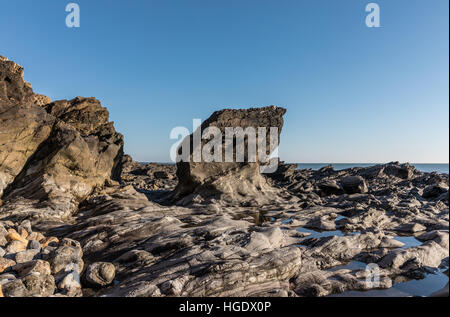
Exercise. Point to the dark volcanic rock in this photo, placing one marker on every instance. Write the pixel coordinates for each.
(330, 188)
(404, 171)
(284, 172)
(434, 191)
(354, 185)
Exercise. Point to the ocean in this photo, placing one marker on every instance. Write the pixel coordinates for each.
(439, 168)
(427, 167)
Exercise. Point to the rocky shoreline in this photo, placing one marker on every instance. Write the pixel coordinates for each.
(80, 218)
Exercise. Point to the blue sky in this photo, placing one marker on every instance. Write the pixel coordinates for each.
(353, 94)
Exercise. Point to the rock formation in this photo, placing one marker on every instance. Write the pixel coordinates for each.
(232, 180)
(98, 223)
(52, 156)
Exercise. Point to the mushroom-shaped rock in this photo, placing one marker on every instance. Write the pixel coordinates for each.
(235, 177)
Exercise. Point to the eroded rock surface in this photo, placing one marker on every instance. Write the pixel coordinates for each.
(52, 156)
(230, 179)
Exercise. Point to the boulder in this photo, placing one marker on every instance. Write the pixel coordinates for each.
(66, 257)
(372, 171)
(100, 274)
(39, 285)
(434, 191)
(14, 288)
(330, 188)
(70, 284)
(354, 185)
(403, 171)
(284, 172)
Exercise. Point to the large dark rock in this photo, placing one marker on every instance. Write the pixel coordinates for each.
(434, 191)
(404, 171)
(284, 172)
(233, 181)
(330, 188)
(354, 185)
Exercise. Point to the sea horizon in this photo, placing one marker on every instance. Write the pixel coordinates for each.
(441, 168)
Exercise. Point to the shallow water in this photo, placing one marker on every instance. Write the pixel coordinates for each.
(409, 241)
(430, 284)
(320, 234)
(425, 287)
(353, 265)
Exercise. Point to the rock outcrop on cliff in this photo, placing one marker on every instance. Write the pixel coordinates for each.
(52, 156)
(23, 125)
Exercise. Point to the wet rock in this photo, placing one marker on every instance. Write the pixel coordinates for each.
(390, 243)
(100, 274)
(324, 223)
(428, 254)
(322, 283)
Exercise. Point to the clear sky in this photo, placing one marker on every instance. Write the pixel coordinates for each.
(353, 93)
